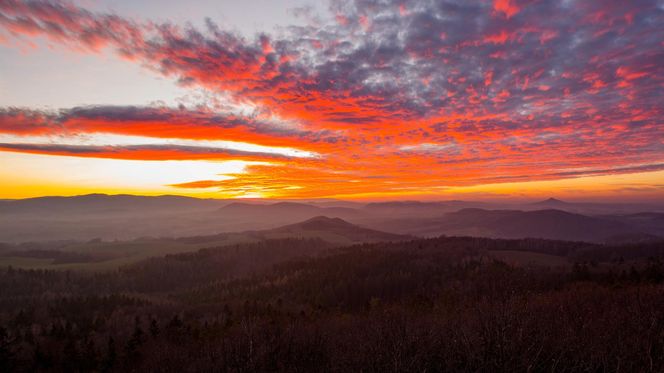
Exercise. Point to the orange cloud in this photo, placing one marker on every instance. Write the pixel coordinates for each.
(381, 113)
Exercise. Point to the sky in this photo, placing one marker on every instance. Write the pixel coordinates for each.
(352, 99)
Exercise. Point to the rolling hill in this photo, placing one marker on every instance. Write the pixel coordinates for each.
(100, 255)
(335, 230)
(548, 223)
(332, 230)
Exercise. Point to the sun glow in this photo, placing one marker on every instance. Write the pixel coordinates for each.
(47, 175)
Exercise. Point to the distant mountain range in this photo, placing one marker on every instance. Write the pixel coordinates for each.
(591, 208)
(419, 209)
(127, 217)
(95, 203)
(103, 203)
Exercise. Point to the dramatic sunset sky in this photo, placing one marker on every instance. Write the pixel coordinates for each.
(364, 99)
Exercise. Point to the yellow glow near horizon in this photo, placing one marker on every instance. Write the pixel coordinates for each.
(646, 185)
(29, 175)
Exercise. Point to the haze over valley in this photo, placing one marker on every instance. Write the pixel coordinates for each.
(126, 217)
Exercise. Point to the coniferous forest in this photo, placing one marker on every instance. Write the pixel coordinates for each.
(299, 305)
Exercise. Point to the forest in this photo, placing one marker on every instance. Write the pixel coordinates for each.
(302, 305)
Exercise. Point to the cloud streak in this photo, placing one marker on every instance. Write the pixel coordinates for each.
(142, 152)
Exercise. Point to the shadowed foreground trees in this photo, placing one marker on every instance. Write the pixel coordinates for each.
(424, 305)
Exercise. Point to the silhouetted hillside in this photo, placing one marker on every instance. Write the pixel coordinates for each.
(337, 227)
(550, 224)
(650, 223)
(334, 231)
(551, 203)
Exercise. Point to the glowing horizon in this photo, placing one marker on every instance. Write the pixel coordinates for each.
(368, 100)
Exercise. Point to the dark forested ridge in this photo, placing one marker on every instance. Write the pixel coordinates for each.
(443, 304)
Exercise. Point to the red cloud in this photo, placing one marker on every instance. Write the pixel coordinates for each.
(507, 7)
